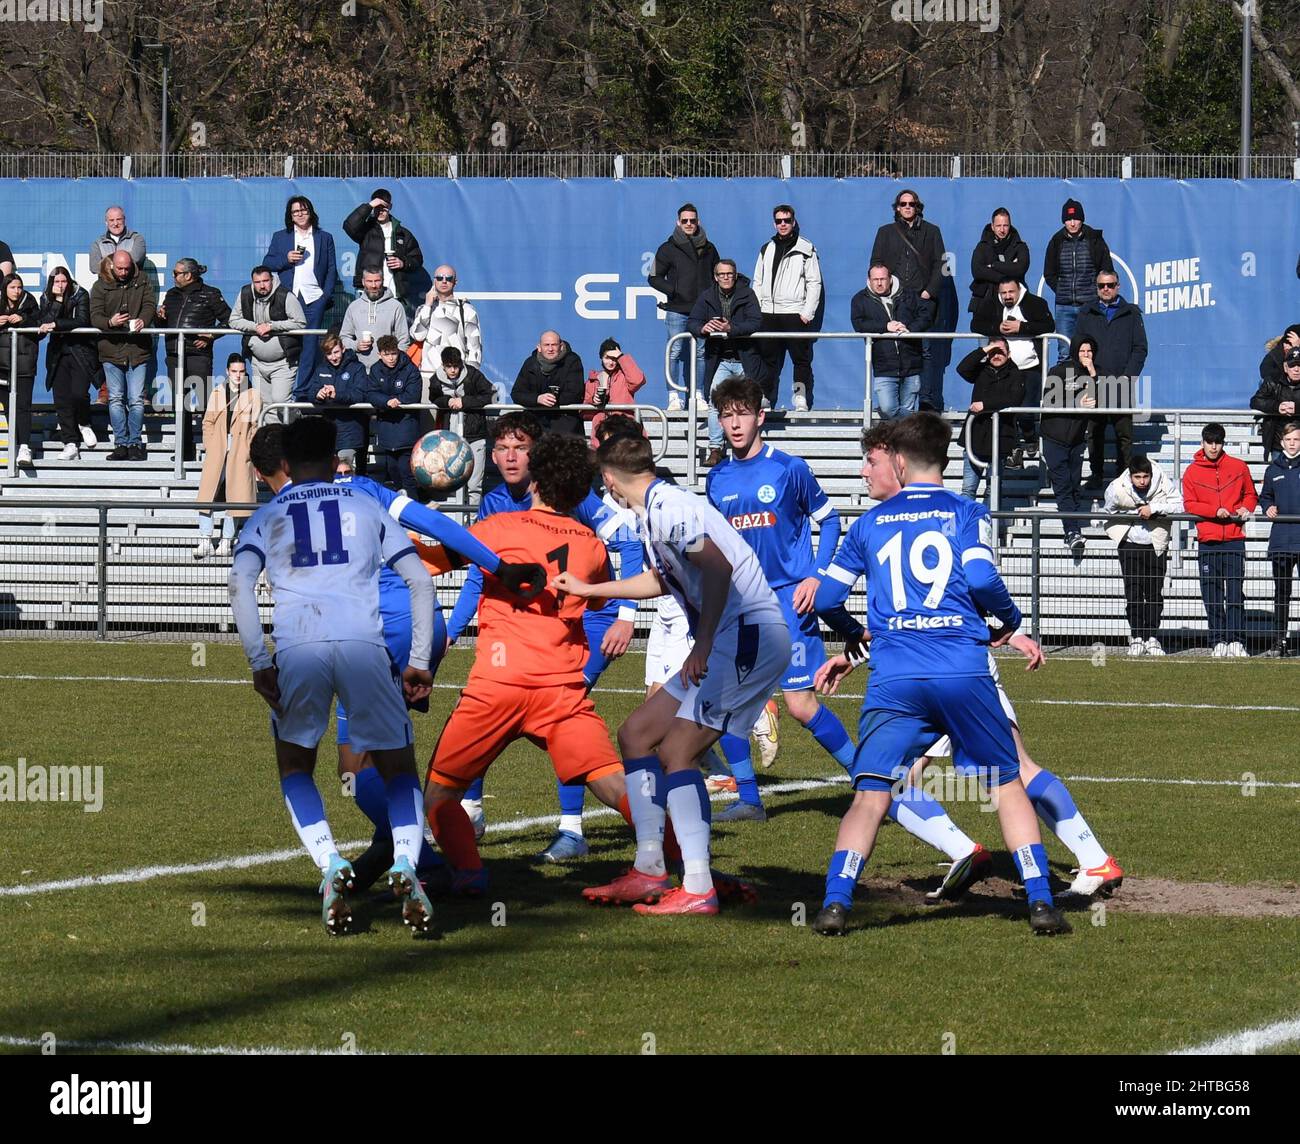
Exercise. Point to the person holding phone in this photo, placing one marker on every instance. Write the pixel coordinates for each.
(302, 255)
(615, 383)
(551, 376)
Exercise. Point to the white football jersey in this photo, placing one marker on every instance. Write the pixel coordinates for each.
(322, 546)
(672, 525)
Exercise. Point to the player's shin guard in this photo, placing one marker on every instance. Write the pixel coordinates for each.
(921, 816)
(405, 802)
(455, 834)
(831, 736)
(736, 751)
(571, 799)
(688, 804)
(646, 799)
(1031, 862)
(842, 878)
(308, 814)
(1055, 807)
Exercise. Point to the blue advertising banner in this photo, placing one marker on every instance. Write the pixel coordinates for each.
(1212, 264)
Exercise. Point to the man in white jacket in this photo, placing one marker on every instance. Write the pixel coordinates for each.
(445, 320)
(788, 282)
(1144, 490)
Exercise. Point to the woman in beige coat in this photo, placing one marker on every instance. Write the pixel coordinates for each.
(232, 416)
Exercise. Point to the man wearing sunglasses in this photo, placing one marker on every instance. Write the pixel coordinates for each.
(1121, 336)
(682, 270)
(788, 282)
(913, 249)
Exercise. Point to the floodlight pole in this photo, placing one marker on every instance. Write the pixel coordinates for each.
(166, 67)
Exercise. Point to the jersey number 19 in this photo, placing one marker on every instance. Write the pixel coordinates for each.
(891, 556)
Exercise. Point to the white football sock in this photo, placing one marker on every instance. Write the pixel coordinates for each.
(572, 823)
(648, 820)
(693, 837)
(938, 831)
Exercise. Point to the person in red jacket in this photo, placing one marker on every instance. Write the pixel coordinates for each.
(1218, 486)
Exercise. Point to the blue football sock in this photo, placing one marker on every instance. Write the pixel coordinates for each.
(1050, 798)
(842, 877)
(305, 802)
(571, 798)
(372, 799)
(1031, 862)
(830, 734)
(475, 790)
(736, 751)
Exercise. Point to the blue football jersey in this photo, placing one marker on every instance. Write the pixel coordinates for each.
(772, 500)
(931, 578)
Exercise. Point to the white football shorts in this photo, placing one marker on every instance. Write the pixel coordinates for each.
(747, 664)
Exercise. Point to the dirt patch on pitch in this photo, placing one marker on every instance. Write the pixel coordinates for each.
(1137, 896)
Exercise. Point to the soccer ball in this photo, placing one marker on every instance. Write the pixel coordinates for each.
(442, 461)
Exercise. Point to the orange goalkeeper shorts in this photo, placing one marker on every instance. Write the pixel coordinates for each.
(490, 716)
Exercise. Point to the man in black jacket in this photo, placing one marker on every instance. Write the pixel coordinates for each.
(1022, 318)
(551, 375)
(884, 307)
(681, 271)
(997, 384)
(1000, 254)
(1279, 399)
(191, 304)
(913, 249)
(1075, 255)
(383, 241)
(1121, 336)
(722, 318)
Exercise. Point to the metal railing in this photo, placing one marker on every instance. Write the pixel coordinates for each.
(693, 415)
(660, 449)
(178, 391)
(1178, 416)
(114, 568)
(663, 164)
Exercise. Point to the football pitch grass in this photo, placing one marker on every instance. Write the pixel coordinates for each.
(1199, 806)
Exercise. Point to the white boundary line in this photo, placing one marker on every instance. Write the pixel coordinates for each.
(509, 826)
(159, 1047)
(1247, 1042)
(638, 691)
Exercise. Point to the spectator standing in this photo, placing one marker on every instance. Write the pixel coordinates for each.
(1072, 384)
(1075, 255)
(7, 260)
(913, 250)
(681, 271)
(1121, 336)
(394, 382)
(340, 380)
(375, 314)
(788, 282)
(268, 315)
(118, 236)
(384, 242)
(1280, 400)
(123, 309)
(445, 320)
(1218, 486)
(1000, 254)
(1280, 496)
(71, 361)
(885, 307)
(303, 256)
(551, 375)
(722, 319)
(1270, 366)
(18, 308)
(191, 304)
(465, 393)
(1143, 546)
(997, 384)
(615, 383)
(233, 413)
(1021, 317)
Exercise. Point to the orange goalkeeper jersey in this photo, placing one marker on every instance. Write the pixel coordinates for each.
(539, 643)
